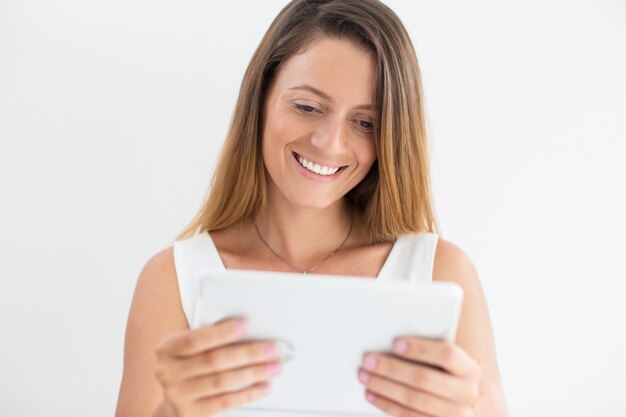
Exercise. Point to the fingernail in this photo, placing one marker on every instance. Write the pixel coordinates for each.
(369, 362)
(400, 346)
(369, 396)
(266, 389)
(241, 326)
(269, 350)
(275, 368)
(363, 377)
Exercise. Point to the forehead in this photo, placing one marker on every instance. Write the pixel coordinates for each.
(336, 66)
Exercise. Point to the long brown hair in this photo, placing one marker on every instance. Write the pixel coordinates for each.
(395, 196)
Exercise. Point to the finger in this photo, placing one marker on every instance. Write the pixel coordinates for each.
(390, 407)
(218, 360)
(447, 356)
(422, 377)
(190, 342)
(212, 405)
(229, 381)
(415, 400)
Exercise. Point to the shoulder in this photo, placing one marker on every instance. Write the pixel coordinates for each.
(157, 287)
(160, 264)
(451, 263)
(158, 275)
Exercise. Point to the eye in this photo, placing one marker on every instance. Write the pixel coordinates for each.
(365, 125)
(304, 108)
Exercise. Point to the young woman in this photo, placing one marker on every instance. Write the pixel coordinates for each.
(324, 170)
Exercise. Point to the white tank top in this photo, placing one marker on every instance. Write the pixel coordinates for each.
(411, 258)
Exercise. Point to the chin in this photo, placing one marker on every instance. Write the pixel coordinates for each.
(312, 202)
(313, 205)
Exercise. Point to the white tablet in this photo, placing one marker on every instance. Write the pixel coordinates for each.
(326, 323)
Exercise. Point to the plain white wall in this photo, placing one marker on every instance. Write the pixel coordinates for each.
(112, 114)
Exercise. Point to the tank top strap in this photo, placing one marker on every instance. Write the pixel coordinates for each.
(194, 258)
(411, 258)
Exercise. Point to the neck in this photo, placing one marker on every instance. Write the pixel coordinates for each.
(303, 235)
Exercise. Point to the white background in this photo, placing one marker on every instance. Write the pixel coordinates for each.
(112, 114)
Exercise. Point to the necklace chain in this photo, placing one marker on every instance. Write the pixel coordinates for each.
(305, 271)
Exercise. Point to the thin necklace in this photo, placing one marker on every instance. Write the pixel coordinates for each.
(305, 271)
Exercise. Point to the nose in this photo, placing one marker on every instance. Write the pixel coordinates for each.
(331, 138)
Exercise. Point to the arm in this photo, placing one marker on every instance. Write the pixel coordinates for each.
(155, 312)
(474, 333)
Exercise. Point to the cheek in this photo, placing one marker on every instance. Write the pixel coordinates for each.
(274, 133)
(368, 155)
(278, 126)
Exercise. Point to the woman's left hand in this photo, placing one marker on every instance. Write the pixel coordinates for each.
(426, 378)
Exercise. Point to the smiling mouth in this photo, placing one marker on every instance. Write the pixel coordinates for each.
(316, 168)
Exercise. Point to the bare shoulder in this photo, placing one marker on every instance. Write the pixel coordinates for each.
(159, 269)
(155, 312)
(157, 287)
(453, 264)
(474, 333)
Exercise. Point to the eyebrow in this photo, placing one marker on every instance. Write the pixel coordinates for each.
(311, 89)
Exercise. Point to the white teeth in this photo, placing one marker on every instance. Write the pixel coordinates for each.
(321, 170)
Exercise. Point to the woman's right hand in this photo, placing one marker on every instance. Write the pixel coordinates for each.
(203, 373)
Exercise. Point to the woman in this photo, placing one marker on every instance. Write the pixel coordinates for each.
(324, 169)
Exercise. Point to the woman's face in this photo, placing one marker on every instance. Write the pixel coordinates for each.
(319, 113)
